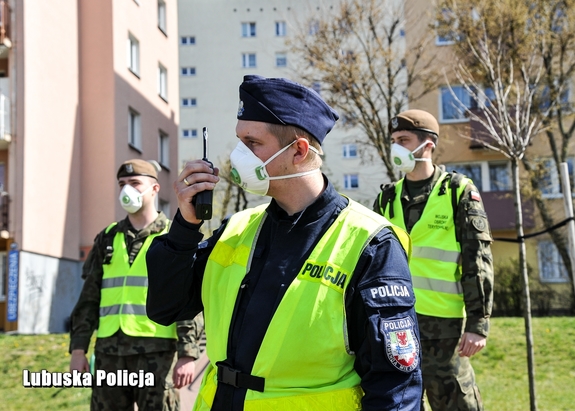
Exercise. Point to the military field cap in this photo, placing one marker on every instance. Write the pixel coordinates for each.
(137, 167)
(414, 120)
(282, 101)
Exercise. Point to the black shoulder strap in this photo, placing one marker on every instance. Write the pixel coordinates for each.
(387, 196)
(108, 243)
(456, 179)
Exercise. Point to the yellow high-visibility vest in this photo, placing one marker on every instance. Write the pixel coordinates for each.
(435, 261)
(124, 291)
(304, 357)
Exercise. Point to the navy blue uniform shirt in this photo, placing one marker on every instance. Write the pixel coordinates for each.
(176, 263)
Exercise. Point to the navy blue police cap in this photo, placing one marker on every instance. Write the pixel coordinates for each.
(282, 101)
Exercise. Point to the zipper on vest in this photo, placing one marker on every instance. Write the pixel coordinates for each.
(243, 288)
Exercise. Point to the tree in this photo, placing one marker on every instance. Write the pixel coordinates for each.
(357, 53)
(511, 116)
(542, 31)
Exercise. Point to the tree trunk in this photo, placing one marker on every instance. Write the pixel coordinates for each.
(525, 284)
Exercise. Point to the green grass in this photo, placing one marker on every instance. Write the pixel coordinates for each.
(501, 368)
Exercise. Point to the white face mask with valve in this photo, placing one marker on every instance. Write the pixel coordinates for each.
(131, 199)
(249, 172)
(403, 159)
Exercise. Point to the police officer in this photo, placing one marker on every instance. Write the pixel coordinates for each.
(308, 301)
(113, 301)
(451, 264)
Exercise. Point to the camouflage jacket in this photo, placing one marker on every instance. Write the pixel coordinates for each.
(474, 236)
(85, 316)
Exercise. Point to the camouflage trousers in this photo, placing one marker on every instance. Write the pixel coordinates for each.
(448, 379)
(163, 396)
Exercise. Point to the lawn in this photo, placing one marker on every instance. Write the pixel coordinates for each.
(501, 368)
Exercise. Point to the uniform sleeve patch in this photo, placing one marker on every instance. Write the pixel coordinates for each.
(401, 344)
(479, 223)
(474, 195)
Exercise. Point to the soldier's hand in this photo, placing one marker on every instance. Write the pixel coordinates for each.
(196, 176)
(79, 362)
(471, 344)
(184, 372)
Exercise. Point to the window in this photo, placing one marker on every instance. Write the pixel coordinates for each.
(281, 28)
(545, 100)
(189, 102)
(164, 150)
(316, 86)
(164, 207)
(163, 82)
(486, 176)
(499, 179)
(445, 26)
(349, 151)
(133, 55)
(162, 16)
(248, 29)
(551, 267)
(313, 27)
(248, 60)
(473, 171)
(550, 182)
(134, 129)
(350, 181)
(451, 110)
(190, 133)
(188, 71)
(187, 40)
(281, 60)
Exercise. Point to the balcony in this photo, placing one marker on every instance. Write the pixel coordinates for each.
(5, 42)
(501, 211)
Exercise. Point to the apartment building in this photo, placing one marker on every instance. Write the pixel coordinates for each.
(84, 86)
(220, 42)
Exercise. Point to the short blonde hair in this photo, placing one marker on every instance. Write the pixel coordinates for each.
(288, 134)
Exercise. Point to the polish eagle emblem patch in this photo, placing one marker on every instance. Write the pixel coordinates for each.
(401, 344)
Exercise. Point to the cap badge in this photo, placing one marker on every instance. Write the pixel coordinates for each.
(394, 122)
(240, 108)
(129, 168)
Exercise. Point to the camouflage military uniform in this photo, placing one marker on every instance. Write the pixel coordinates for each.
(448, 379)
(121, 351)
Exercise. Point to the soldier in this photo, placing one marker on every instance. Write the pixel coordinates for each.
(113, 301)
(451, 264)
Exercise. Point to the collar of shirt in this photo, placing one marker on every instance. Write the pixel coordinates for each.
(154, 227)
(327, 202)
(429, 184)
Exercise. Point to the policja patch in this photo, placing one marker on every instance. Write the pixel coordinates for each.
(401, 345)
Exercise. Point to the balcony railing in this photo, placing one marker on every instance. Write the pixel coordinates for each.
(5, 25)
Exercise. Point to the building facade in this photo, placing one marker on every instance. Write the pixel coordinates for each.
(85, 86)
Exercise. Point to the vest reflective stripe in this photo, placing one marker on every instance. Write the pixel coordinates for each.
(123, 294)
(433, 253)
(129, 281)
(123, 309)
(435, 262)
(323, 378)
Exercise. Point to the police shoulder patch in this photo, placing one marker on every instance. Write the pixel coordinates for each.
(401, 344)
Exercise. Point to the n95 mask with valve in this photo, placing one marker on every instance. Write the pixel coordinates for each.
(403, 159)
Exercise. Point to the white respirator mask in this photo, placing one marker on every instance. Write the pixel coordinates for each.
(249, 172)
(131, 199)
(403, 159)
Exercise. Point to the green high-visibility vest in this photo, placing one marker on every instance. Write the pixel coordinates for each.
(435, 261)
(124, 291)
(304, 357)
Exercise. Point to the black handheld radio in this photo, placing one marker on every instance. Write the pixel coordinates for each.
(203, 200)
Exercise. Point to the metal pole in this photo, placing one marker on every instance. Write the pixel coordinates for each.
(568, 203)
